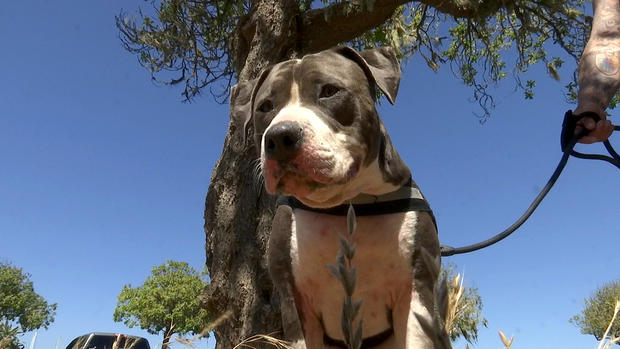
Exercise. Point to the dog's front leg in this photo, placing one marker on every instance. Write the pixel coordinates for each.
(313, 330)
(279, 262)
(301, 326)
(411, 316)
(414, 315)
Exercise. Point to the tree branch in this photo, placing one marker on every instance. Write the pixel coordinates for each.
(341, 22)
(323, 28)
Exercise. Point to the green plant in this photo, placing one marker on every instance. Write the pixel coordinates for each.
(345, 273)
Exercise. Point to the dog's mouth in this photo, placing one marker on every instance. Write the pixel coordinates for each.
(302, 181)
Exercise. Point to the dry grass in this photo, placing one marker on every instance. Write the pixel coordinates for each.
(263, 339)
(454, 306)
(250, 342)
(130, 343)
(190, 342)
(505, 341)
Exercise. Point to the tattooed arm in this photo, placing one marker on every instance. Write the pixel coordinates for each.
(599, 70)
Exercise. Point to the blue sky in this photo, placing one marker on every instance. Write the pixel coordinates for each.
(103, 175)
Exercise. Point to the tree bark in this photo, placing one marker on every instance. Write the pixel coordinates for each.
(238, 211)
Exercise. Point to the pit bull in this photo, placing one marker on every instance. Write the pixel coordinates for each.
(322, 146)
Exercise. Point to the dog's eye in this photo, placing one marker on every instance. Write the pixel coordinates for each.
(328, 91)
(265, 107)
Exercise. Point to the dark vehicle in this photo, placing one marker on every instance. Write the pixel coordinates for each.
(98, 340)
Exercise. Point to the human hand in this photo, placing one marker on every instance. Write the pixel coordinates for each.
(598, 131)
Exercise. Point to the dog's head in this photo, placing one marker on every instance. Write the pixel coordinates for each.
(316, 127)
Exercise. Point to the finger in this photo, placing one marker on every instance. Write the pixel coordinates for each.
(588, 140)
(588, 123)
(602, 131)
(578, 129)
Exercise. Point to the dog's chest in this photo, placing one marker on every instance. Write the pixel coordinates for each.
(383, 259)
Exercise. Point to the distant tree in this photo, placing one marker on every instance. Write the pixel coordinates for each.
(166, 303)
(21, 308)
(598, 312)
(464, 307)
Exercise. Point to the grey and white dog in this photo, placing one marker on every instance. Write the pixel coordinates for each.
(322, 145)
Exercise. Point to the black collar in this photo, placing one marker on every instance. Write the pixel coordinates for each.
(406, 198)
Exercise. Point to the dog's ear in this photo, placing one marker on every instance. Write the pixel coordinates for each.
(393, 168)
(380, 65)
(385, 68)
(242, 101)
(241, 105)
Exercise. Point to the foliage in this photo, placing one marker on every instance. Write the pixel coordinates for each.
(598, 311)
(198, 40)
(466, 307)
(477, 48)
(9, 337)
(21, 308)
(184, 41)
(167, 301)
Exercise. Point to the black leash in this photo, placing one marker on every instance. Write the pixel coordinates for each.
(568, 140)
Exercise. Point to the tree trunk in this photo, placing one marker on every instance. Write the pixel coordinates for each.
(238, 211)
(167, 335)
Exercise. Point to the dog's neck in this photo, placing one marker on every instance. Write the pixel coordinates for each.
(404, 199)
(369, 181)
(408, 190)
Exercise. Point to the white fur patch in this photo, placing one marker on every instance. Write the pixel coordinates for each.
(383, 268)
(323, 152)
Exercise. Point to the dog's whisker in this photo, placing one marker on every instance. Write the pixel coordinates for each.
(257, 173)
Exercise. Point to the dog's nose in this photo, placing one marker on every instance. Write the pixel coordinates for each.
(283, 140)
